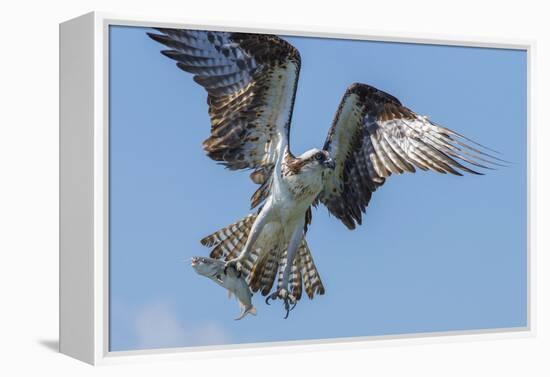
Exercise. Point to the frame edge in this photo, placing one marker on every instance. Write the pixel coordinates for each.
(102, 355)
(76, 190)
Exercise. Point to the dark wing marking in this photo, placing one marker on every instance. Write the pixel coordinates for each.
(251, 83)
(373, 136)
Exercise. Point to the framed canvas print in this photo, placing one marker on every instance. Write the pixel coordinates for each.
(340, 187)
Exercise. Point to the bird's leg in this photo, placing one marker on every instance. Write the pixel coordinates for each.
(283, 291)
(255, 231)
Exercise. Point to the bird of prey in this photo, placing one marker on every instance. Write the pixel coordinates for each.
(251, 82)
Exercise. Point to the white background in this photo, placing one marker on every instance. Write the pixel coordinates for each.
(29, 184)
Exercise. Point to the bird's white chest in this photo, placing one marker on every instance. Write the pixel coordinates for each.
(293, 195)
(304, 187)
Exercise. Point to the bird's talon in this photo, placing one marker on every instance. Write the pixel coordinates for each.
(236, 266)
(293, 305)
(289, 300)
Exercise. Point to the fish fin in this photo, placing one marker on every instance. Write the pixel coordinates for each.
(252, 310)
(229, 294)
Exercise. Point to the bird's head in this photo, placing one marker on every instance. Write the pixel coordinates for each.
(317, 159)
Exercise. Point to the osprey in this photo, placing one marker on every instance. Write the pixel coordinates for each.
(251, 82)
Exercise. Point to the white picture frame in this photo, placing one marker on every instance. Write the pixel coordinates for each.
(84, 156)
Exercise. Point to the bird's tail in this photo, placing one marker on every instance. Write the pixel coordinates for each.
(228, 242)
(262, 267)
(303, 274)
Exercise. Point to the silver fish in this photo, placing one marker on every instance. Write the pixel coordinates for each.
(230, 280)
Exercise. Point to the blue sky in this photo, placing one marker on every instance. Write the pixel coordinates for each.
(434, 253)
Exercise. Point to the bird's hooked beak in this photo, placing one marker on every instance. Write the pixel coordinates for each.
(329, 163)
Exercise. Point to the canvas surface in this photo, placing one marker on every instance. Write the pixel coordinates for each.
(434, 253)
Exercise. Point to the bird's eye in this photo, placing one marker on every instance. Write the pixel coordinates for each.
(319, 156)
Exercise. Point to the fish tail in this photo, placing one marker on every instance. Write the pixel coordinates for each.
(251, 310)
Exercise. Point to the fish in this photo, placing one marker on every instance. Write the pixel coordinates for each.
(230, 279)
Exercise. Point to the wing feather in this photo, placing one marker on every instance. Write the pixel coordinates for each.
(374, 136)
(251, 82)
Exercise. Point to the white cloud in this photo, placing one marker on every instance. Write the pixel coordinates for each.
(211, 333)
(157, 326)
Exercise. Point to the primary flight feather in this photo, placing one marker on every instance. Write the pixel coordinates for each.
(251, 81)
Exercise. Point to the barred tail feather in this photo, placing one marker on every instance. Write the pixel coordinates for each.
(262, 267)
(295, 276)
(264, 272)
(312, 280)
(303, 274)
(228, 242)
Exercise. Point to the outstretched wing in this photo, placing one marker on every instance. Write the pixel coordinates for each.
(251, 83)
(373, 136)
